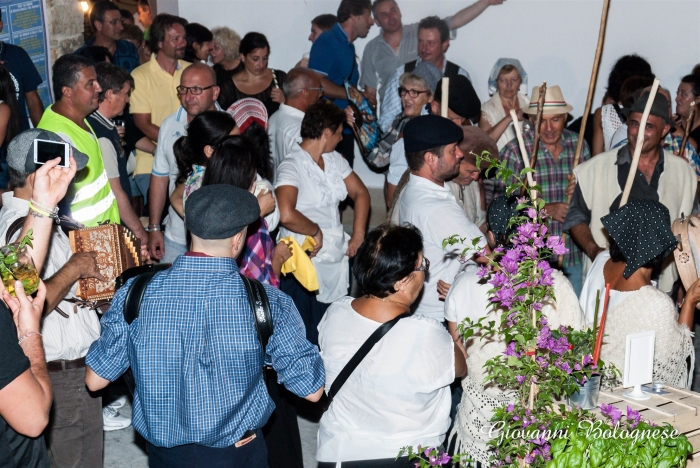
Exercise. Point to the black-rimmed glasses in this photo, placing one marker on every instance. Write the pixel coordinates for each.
(195, 90)
(414, 93)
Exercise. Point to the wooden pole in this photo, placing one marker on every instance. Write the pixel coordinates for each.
(538, 123)
(445, 96)
(688, 128)
(589, 100)
(523, 151)
(591, 85)
(640, 142)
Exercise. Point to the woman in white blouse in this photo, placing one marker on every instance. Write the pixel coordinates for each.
(399, 394)
(311, 182)
(495, 113)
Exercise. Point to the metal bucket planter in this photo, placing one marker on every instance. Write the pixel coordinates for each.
(587, 395)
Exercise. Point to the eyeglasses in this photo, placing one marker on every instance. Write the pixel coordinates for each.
(195, 90)
(425, 266)
(414, 93)
(319, 89)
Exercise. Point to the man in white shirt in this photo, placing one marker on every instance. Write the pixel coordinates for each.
(301, 88)
(434, 157)
(198, 93)
(74, 433)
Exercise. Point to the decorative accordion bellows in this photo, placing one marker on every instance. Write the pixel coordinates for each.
(117, 250)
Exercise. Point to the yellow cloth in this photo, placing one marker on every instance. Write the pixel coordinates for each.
(299, 264)
(154, 93)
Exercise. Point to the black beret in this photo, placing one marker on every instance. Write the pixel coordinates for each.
(220, 211)
(462, 100)
(430, 131)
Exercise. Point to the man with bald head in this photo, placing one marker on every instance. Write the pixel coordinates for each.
(198, 93)
(301, 88)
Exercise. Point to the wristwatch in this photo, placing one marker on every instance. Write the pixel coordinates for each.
(153, 227)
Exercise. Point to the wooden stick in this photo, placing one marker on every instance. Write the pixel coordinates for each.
(589, 100)
(523, 151)
(445, 96)
(601, 328)
(538, 124)
(640, 142)
(688, 128)
(591, 85)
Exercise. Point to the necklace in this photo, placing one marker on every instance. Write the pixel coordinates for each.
(384, 299)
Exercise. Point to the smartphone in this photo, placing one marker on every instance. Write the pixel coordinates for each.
(45, 151)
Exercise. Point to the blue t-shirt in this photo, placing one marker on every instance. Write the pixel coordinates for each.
(126, 55)
(334, 56)
(24, 74)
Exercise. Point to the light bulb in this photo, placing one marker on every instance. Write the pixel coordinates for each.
(84, 5)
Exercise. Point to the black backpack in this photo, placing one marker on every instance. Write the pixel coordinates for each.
(257, 298)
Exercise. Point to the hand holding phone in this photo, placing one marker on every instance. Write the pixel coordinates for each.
(45, 151)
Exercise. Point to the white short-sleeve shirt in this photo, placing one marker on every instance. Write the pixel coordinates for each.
(399, 395)
(284, 129)
(434, 210)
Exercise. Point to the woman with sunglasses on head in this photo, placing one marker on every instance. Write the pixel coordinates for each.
(399, 394)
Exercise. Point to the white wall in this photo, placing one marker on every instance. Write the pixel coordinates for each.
(554, 39)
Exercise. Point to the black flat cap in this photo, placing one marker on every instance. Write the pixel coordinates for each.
(462, 100)
(220, 211)
(430, 131)
(660, 107)
(20, 151)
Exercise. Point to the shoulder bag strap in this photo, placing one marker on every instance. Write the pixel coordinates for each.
(360, 355)
(261, 309)
(15, 227)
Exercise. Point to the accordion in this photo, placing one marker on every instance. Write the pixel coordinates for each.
(117, 250)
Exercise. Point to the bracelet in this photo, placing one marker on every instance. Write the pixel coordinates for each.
(153, 228)
(41, 211)
(317, 231)
(43, 207)
(27, 336)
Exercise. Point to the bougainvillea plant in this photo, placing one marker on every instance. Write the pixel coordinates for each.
(544, 365)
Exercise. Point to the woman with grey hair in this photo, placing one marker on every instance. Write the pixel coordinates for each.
(224, 52)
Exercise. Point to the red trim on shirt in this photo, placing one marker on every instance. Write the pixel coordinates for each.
(196, 254)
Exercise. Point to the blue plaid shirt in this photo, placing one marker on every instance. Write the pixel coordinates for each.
(196, 358)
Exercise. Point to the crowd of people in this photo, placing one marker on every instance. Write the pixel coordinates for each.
(230, 171)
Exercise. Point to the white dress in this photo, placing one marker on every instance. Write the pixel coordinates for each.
(399, 394)
(320, 193)
(611, 122)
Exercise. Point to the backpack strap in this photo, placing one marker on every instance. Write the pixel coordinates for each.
(361, 354)
(260, 305)
(451, 69)
(408, 68)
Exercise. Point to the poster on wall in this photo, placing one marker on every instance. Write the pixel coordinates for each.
(24, 26)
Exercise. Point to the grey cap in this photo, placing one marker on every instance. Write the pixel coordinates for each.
(429, 73)
(20, 151)
(220, 211)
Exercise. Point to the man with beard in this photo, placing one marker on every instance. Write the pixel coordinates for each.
(433, 155)
(154, 97)
(77, 90)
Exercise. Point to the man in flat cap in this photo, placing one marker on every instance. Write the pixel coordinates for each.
(200, 396)
(661, 177)
(74, 433)
(555, 159)
(434, 157)
(463, 104)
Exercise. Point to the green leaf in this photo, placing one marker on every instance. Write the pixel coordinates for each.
(595, 458)
(664, 463)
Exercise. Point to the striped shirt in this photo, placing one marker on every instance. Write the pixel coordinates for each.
(196, 358)
(551, 176)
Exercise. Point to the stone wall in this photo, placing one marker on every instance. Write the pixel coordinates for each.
(65, 26)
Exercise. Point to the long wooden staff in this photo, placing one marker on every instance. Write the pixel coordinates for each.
(640, 142)
(523, 151)
(445, 96)
(589, 100)
(688, 128)
(538, 123)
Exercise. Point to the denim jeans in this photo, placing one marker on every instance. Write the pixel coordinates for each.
(574, 274)
(139, 186)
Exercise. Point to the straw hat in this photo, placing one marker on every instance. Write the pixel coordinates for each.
(554, 102)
